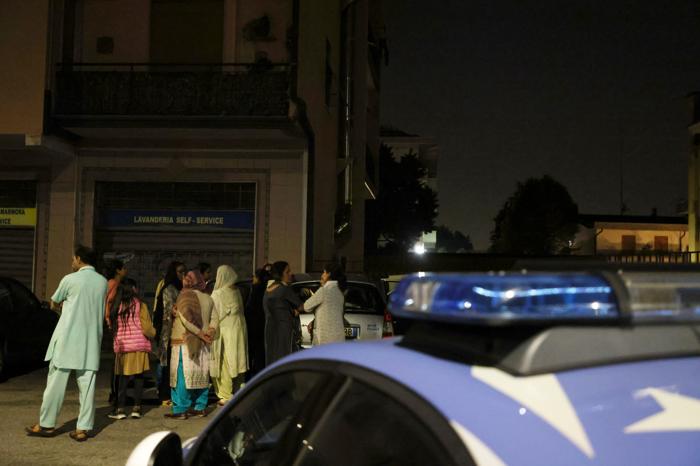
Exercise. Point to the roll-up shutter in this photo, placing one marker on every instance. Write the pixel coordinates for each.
(17, 254)
(147, 254)
(17, 224)
(148, 225)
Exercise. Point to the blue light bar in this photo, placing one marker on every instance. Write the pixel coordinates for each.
(507, 297)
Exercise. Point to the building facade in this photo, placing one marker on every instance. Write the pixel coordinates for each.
(631, 234)
(694, 174)
(207, 130)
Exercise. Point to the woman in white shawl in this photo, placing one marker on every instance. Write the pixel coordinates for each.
(229, 352)
(328, 304)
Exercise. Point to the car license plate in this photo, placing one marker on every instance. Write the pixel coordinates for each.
(352, 333)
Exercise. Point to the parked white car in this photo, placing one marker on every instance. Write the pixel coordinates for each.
(366, 316)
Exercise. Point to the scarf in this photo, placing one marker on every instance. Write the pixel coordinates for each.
(188, 306)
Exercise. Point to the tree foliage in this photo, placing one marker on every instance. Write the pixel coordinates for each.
(453, 241)
(540, 218)
(405, 207)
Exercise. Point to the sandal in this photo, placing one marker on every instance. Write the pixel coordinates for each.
(37, 431)
(79, 435)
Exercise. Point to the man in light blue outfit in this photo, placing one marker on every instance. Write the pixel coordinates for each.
(75, 344)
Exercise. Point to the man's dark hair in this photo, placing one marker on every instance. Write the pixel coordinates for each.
(278, 270)
(337, 273)
(203, 267)
(86, 255)
(112, 267)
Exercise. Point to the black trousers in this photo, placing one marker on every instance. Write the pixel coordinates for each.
(138, 389)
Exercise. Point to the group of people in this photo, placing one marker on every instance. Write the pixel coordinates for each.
(200, 334)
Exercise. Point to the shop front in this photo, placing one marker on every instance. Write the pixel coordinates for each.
(148, 225)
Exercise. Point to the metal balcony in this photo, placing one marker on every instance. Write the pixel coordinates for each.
(172, 90)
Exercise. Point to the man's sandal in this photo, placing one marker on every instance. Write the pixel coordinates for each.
(79, 435)
(37, 431)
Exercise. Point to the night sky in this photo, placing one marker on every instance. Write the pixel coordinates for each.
(512, 89)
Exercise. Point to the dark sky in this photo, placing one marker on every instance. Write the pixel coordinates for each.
(517, 88)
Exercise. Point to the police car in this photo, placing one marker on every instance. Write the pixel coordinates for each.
(497, 369)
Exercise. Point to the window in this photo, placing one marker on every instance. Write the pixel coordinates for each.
(252, 432)
(22, 299)
(5, 299)
(369, 427)
(661, 243)
(629, 243)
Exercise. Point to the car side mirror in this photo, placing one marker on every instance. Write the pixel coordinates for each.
(159, 449)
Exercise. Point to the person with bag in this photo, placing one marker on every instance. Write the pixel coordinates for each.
(131, 327)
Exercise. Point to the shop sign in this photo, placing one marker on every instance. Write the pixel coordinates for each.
(17, 216)
(238, 220)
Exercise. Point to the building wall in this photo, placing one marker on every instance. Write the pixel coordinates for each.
(280, 210)
(694, 181)
(23, 39)
(320, 21)
(608, 239)
(126, 21)
(280, 14)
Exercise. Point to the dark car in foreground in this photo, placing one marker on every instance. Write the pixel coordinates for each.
(26, 326)
(497, 369)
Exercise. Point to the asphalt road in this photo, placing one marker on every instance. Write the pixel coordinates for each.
(111, 441)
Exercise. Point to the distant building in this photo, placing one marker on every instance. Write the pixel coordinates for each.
(226, 131)
(693, 205)
(629, 234)
(427, 150)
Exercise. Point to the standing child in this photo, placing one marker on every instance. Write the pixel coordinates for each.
(132, 327)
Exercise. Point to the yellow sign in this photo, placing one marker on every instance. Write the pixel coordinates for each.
(17, 216)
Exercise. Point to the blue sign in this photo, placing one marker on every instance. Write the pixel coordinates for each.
(225, 219)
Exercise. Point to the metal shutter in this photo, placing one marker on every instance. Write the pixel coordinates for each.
(17, 254)
(147, 254)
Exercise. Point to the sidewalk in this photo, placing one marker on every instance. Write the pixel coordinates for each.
(20, 400)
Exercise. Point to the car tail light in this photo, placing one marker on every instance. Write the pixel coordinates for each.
(388, 328)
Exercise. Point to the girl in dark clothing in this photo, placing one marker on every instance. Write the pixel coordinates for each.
(255, 322)
(281, 305)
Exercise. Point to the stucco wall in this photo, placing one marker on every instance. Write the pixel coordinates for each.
(280, 14)
(611, 239)
(23, 29)
(126, 21)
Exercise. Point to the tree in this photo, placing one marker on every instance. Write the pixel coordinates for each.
(453, 241)
(539, 218)
(405, 207)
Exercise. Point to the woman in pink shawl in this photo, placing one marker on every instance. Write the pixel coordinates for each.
(194, 323)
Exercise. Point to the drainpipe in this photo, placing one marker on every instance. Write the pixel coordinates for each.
(305, 124)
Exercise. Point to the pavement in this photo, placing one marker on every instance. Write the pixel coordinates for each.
(110, 442)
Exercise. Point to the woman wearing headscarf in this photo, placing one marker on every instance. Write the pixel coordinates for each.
(281, 304)
(229, 350)
(194, 323)
(328, 305)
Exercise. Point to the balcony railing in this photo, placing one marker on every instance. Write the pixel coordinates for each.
(655, 257)
(173, 89)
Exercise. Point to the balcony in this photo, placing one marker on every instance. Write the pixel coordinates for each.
(171, 91)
